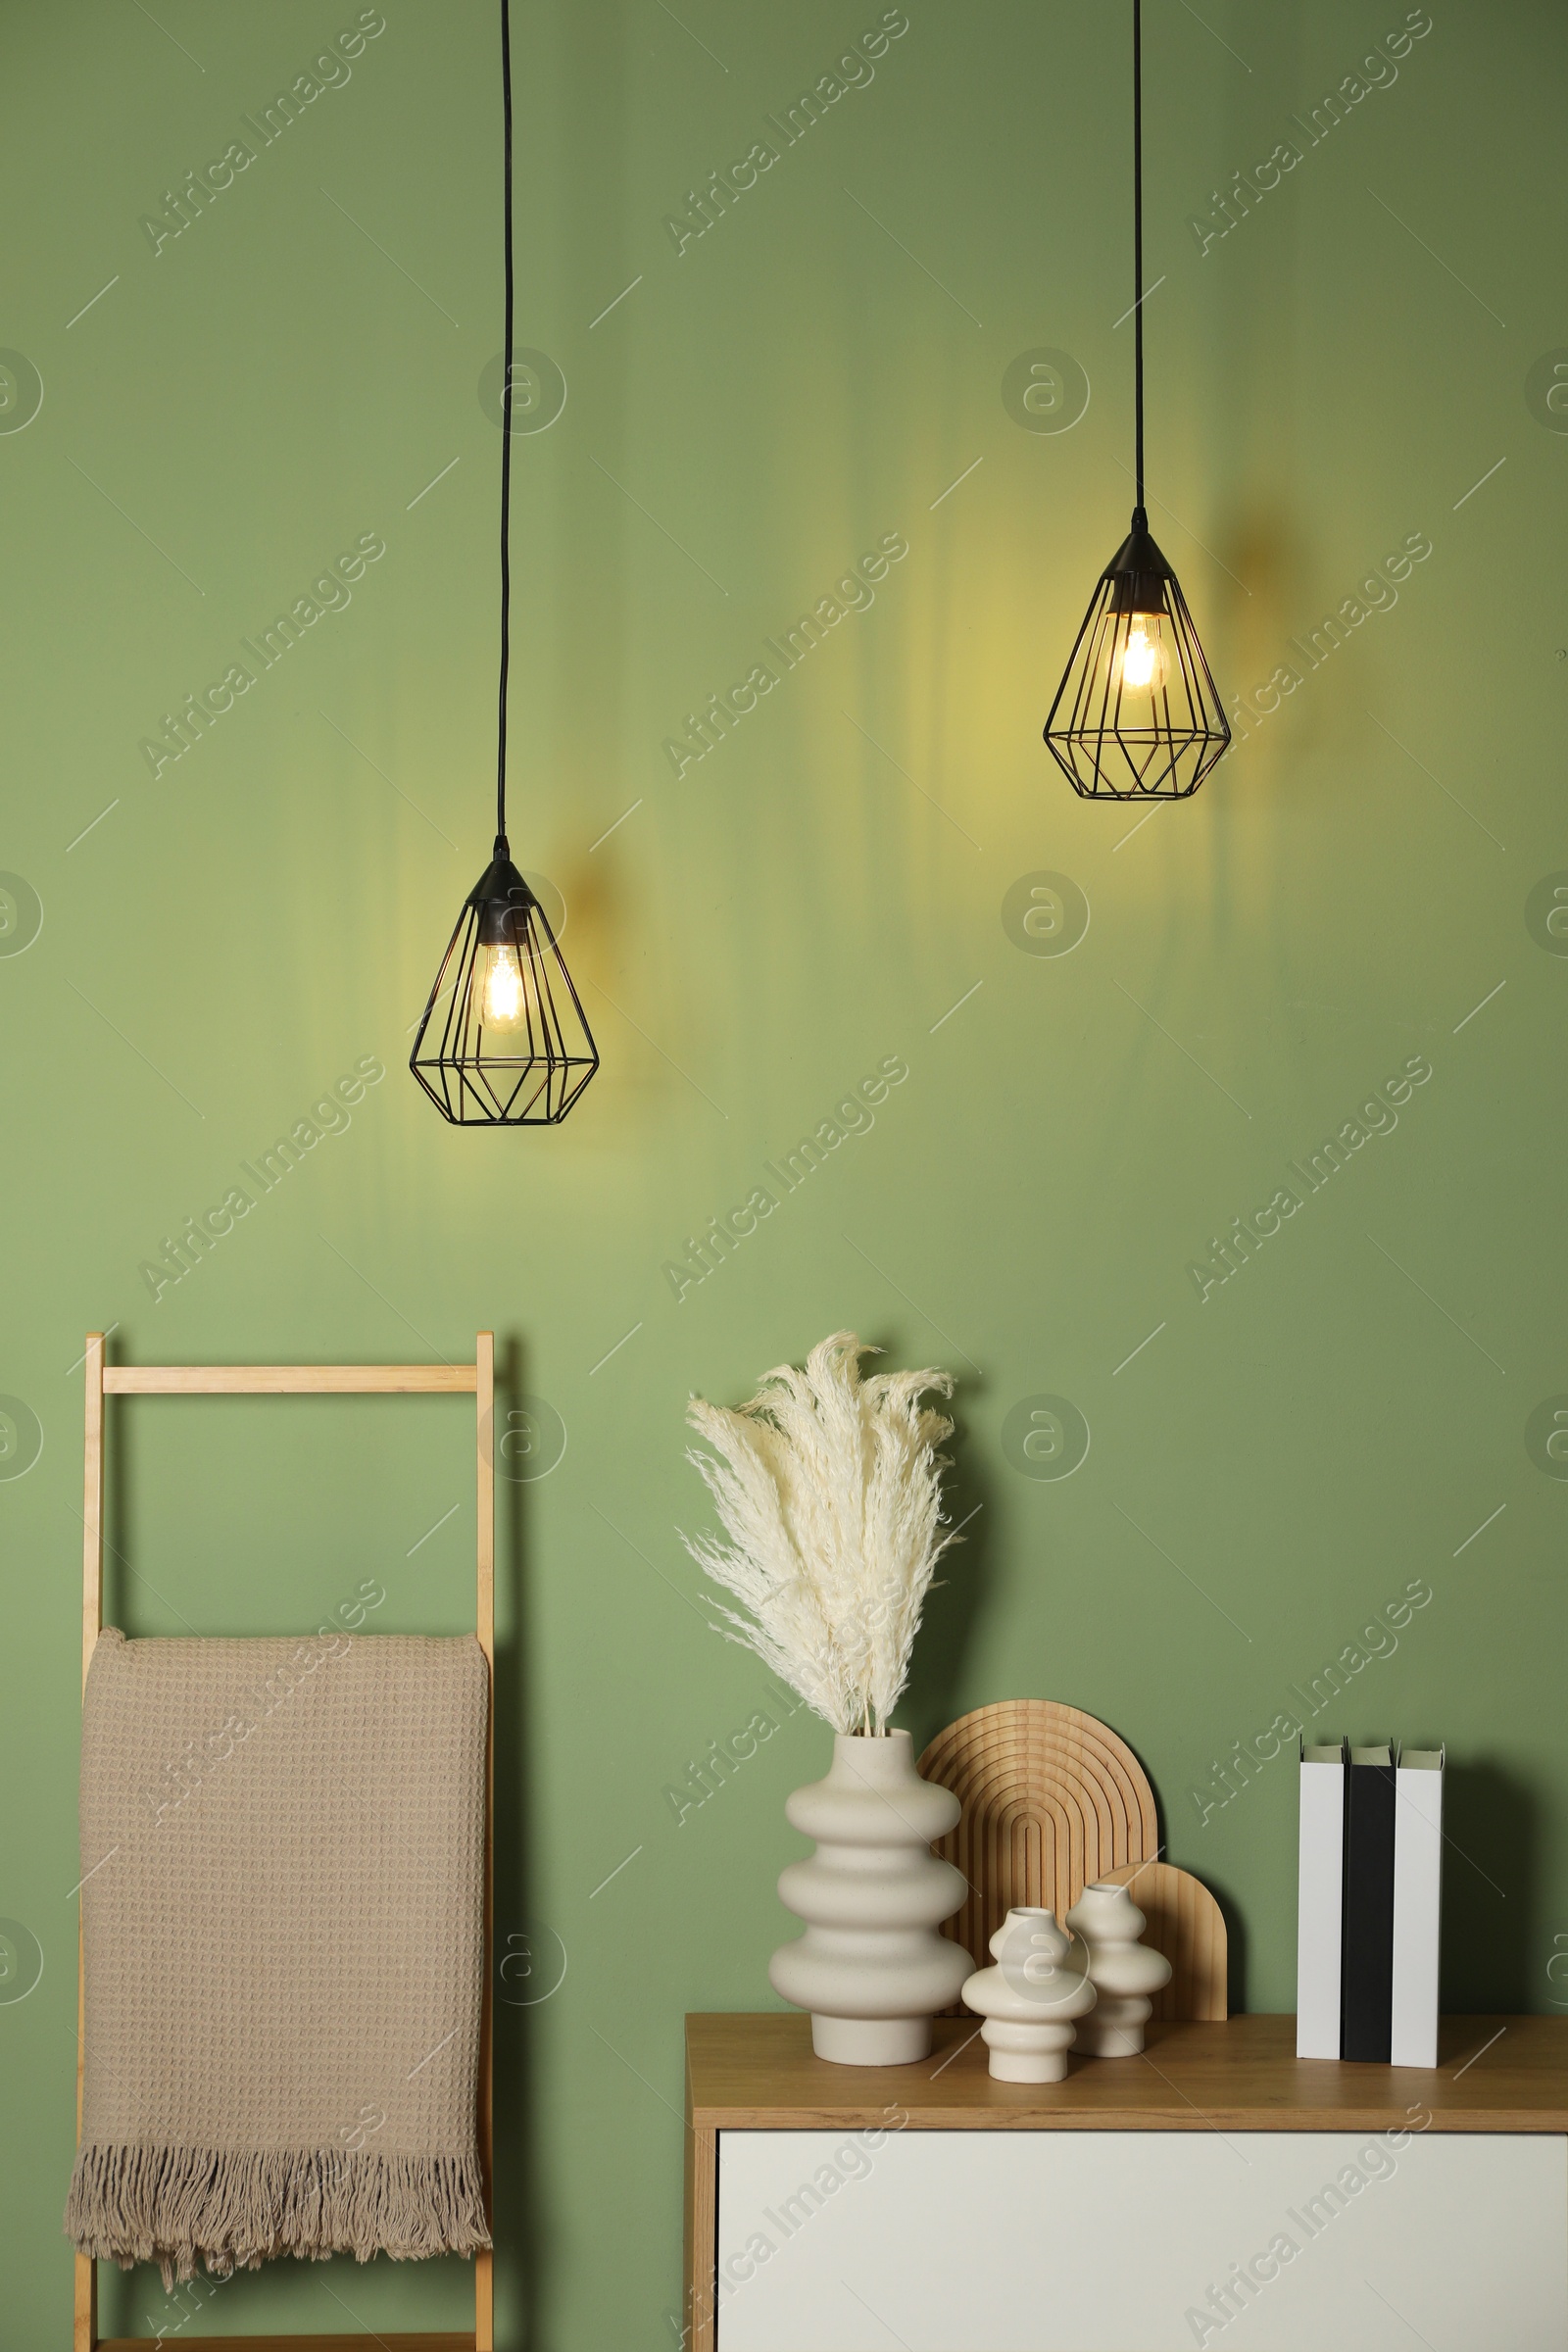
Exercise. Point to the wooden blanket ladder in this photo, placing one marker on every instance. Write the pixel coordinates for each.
(475, 1380)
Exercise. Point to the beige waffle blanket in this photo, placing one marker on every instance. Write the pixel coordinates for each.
(283, 1846)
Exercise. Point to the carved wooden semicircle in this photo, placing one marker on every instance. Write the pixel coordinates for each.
(1188, 1926)
(1051, 1799)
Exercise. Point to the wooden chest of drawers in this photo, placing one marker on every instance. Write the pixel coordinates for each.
(1217, 2190)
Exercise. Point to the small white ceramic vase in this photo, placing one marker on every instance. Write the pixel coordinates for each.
(1030, 1999)
(870, 1967)
(1123, 1972)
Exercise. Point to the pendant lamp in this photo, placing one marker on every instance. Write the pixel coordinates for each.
(1137, 715)
(503, 1041)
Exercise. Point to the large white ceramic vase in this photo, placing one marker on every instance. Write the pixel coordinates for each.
(870, 1967)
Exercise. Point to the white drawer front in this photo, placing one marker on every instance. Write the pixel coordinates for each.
(1115, 2242)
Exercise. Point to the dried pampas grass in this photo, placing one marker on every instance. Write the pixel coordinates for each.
(829, 1490)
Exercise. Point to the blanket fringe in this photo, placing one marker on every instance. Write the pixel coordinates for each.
(180, 2206)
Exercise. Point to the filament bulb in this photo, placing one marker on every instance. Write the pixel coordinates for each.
(498, 987)
(1143, 657)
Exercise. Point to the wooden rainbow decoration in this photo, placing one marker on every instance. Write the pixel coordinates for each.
(1052, 1801)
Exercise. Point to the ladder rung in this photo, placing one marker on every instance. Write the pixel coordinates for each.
(293, 2343)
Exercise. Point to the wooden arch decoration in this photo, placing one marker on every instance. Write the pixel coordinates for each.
(1188, 1926)
(1051, 1799)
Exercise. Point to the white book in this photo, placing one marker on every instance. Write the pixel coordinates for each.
(1321, 1902)
(1417, 1905)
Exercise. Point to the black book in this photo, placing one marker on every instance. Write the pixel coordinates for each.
(1366, 1974)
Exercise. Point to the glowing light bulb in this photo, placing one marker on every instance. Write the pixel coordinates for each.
(1143, 657)
(498, 987)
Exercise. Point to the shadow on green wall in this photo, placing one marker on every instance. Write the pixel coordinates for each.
(1490, 1890)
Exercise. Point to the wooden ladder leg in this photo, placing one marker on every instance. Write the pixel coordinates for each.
(485, 1620)
(84, 2333)
(85, 2330)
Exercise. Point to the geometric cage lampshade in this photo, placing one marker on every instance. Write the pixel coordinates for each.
(513, 1047)
(1137, 715)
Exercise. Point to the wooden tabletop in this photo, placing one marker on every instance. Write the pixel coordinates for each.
(1497, 2074)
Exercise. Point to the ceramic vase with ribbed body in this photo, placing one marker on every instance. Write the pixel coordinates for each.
(870, 1967)
(1031, 1998)
(1123, 1970)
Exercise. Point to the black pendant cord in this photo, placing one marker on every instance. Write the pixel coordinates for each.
(506, 443)
(1137, 241)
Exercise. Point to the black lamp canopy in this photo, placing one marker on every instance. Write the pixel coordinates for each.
(1137, 715)
(513, 1046)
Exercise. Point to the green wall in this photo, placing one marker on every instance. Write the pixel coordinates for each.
(1293, 1450)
